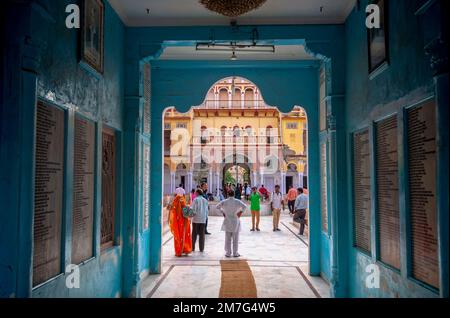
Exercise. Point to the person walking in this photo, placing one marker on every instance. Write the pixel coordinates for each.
(291, 196)
(301, 205)
(276, 205)
(204, 188)
(180, 227)
(232, 210)
(255, 208)
(200, 208)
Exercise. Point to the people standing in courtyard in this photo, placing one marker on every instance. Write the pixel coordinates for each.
(204, 188)
(238, 192)
(301, 205)
(232, 210)
(276, 205)
(255, 208)
(180, 227)
(264, 193)
(247, 191)
(291, 196)
(200, 208)
(192, 196)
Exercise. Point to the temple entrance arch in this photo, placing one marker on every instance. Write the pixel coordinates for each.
(236, 173)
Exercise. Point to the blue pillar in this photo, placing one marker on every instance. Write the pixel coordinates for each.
(133, 112)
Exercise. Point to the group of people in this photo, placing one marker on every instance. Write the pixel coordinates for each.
(245, 191)
(180, 223)
(182, 213)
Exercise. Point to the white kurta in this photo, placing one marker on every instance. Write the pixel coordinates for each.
(231, 207)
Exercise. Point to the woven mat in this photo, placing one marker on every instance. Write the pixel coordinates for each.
(237, 280)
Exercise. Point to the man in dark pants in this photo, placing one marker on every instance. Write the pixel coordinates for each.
(301, 205)
(200, 207)
(204, 187)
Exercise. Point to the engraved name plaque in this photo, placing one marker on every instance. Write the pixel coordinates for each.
(146, 187)
(362, 190)
(108, 188)
(147, 97)
(83, 191)
(387, 191)
(323, 185)
(422, 192)
(48, 196)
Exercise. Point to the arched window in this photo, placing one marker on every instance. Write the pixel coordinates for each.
(236, 131)
(223, 98)
(204, 136)
(270, 138)
(237, 98)
(223, 130)
(249, 97)
(210, 99)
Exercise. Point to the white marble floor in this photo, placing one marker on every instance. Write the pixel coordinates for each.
(278, 260)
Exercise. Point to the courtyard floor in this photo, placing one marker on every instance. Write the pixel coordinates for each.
(278, 262)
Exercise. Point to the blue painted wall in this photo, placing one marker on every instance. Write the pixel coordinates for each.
(407, 80)
(184, 84)
(42, 62)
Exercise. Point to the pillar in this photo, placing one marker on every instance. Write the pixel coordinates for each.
(210, 182)
(172, 182)
(190, 185)
(218, 183)
(300, 179)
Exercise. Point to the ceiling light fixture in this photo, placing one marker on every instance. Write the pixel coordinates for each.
(235, 47)
(232, 8)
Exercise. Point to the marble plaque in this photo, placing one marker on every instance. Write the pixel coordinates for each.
(147, 97)
(146, 187)
(362, 190)
(387, 191)
(324, 186)
(422, 192)
(83, 191)
(48, 196)
(108, 187)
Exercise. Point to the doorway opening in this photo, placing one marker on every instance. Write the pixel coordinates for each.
(234, 141)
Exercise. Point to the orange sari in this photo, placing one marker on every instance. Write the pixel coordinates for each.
(180, 227)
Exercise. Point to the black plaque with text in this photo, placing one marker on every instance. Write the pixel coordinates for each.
(48, 197)
(362, 190)
(388, 212)
(108, 187)
(83, 191)
(422, 193)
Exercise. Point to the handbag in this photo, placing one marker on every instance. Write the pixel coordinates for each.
(188, 212)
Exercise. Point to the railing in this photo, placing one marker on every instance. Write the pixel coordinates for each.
(252, 140)
(234, 104)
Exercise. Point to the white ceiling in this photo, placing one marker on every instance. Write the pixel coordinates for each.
(191, 12)
(282, 52)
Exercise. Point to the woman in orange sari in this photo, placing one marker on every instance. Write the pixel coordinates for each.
(180, 227)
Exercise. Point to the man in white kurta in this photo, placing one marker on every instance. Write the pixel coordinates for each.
(232, 210)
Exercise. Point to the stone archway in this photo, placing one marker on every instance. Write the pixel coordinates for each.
(242, 179)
